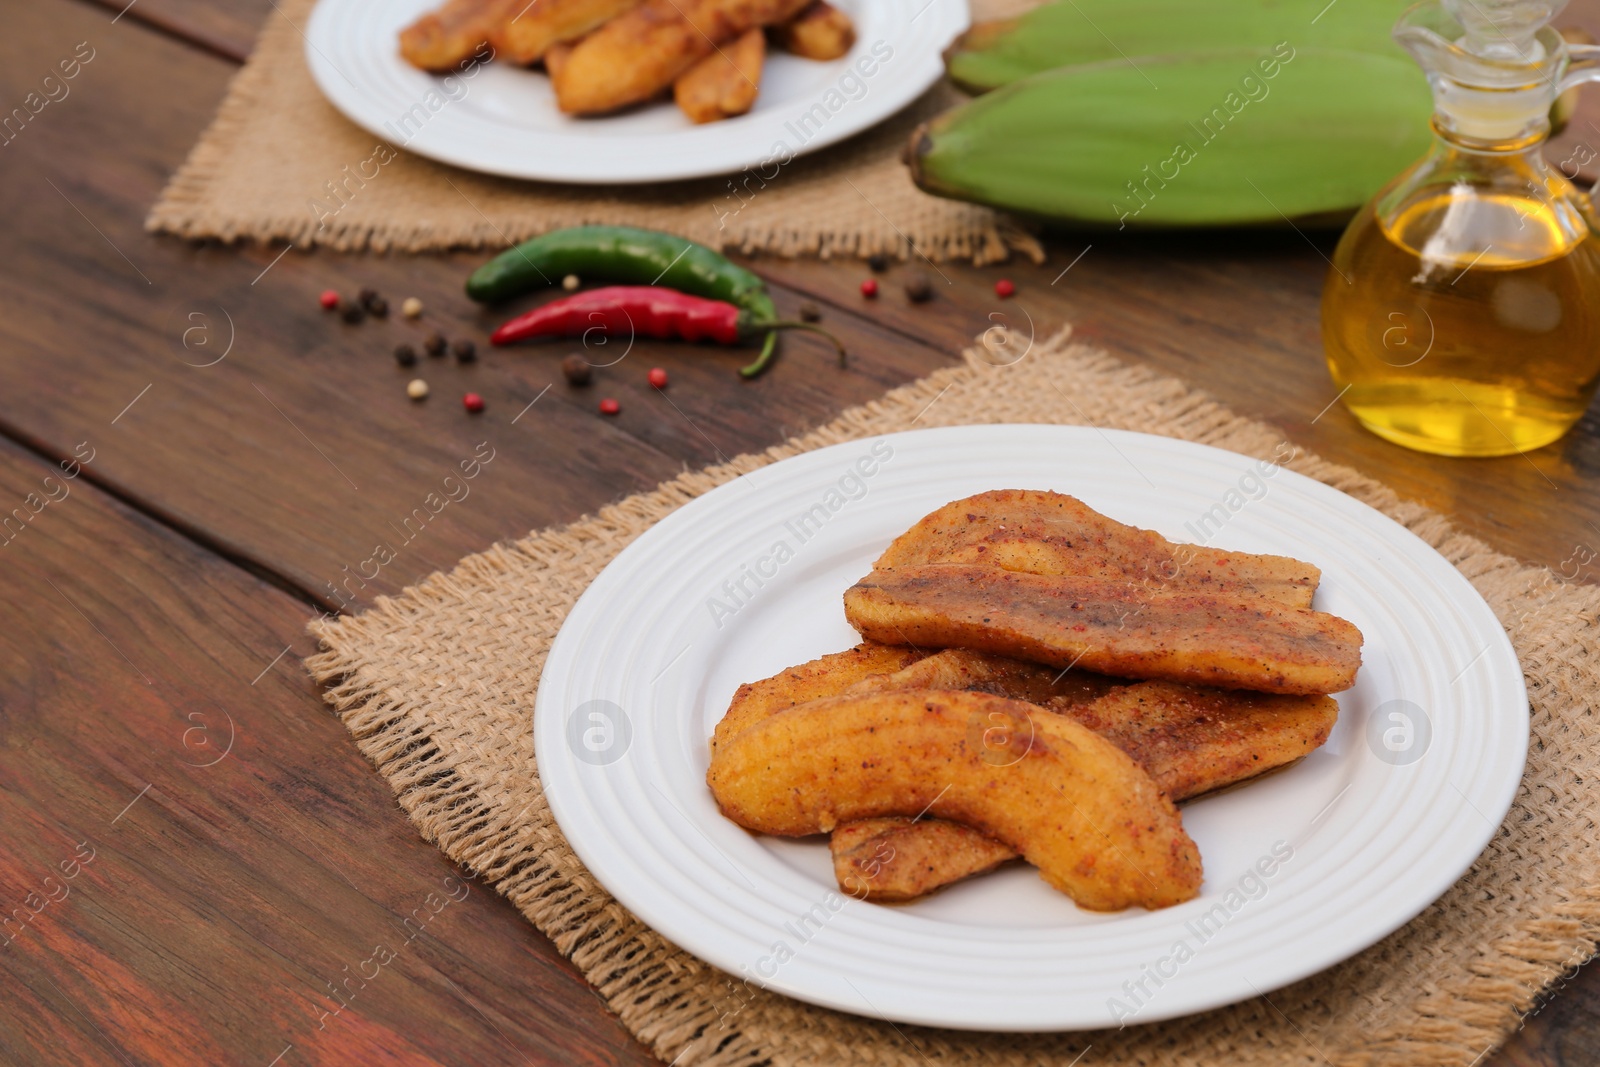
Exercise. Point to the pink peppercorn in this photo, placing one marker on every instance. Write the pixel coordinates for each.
(609, 406)
(472, 402)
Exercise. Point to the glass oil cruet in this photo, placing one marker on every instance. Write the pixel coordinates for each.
(1461, 315)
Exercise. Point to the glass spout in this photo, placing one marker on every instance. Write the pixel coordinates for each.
(1495, 67)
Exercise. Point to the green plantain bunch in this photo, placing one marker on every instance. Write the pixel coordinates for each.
(1178, 112)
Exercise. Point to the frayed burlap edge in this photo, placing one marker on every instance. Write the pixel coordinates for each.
(1441, 991)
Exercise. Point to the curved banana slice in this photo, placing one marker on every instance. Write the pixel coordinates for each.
(825, 676)
(1109, 626)
(895, 859)
(1072, 803)
(1040, 532)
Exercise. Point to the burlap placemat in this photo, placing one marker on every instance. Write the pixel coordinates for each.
(263, 167)
(437, 685)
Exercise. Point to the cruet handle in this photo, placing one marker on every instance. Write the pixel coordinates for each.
(1583, 66)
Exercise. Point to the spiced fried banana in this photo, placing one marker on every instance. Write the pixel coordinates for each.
(893, 860)
(983, 672)
(639, 54)
(445, 38)
(826, 676)
(1050, 533)
(1070, 802)
(536, 26)
(1191, 741)
(725, 83)
(821, 32)
(1109, 626)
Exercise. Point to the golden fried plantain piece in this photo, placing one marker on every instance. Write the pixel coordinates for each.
(1193, 740)
(1050, 533)
(637, 55)
(445, 38)
(555, 57)
(535, 26)
(1109, 626)
(983, 672)
(1070, 802)
(826, 676)
(1190, 741)
(821, 32)
(725, 83)
(893, 860)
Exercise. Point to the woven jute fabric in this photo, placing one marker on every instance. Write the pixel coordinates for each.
(263, 167)
(437, 686)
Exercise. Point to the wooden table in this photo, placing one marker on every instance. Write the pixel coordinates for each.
(156, 718)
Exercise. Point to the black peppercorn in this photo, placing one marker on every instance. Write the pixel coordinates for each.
(435, 345)
(878, 262)
(809, 312)
(577, 370)
(465, 350)
(919, 289)
(405, 355)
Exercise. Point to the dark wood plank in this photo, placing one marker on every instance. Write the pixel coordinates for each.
(1561, 1033)
(224, 27)
(239, 853)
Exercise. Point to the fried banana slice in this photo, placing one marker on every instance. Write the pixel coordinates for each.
(555, 58)
(983, 672)
(894, 860)
(1109, 626)
(725, 83)
(1070, 802)
(533, 27)
(445, 38)
(1194, 741)
(637, 55)
(1190, 741)
(821, 32)
(1050, 533)
(826, 676)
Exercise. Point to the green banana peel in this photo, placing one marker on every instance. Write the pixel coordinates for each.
(1225, 136)
(1068, 33)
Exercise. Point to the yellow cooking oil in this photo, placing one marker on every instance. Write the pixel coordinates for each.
(1464, 320)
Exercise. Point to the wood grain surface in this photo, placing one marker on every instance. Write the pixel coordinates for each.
(193, 851)
(229, 500)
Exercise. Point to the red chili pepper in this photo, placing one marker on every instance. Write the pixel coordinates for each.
(645, 311)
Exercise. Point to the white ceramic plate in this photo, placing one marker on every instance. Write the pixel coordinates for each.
(502, 119)
(1355, 840)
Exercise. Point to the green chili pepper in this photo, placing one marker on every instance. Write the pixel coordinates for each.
(626, 255)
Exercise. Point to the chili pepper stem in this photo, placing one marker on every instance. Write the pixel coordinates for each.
(769, 351)
(769, 348)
